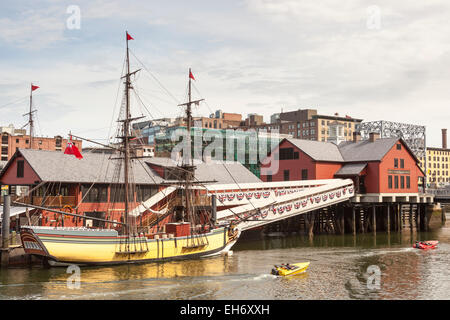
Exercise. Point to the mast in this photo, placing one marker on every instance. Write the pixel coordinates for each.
(188, 162)
(126, 136)
(188, 173)
(30, 119)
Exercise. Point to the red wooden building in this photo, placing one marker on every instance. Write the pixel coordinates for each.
(93, 185)
(377, 166)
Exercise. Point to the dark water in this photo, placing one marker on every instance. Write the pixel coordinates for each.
(342, 267)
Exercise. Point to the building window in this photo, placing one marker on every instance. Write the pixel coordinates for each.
(390, 182)
(304, 174)
(287, 154)
(5, 139)
(269, 178)
(402, 182)
(286, 175)
(408, 182)
(396, 182)
(20, 168)
(399, 146)
(395, 163)
(144, 192)
(4, 150)
(402, 163)
(96, 193)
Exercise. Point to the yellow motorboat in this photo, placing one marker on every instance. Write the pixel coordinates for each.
(290, 269)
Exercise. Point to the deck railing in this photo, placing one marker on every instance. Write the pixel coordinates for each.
(50, 201)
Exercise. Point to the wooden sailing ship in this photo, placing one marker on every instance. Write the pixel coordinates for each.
(189, 237)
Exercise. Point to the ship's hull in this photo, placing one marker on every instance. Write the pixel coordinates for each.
(65, 246)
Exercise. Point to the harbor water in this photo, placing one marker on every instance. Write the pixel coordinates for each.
(364, 266)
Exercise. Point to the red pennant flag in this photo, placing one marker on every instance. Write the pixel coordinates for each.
(34, 87)
(129, 37)
(191, 75)
(72, 149)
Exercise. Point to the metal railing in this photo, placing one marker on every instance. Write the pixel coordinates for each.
(439, 192)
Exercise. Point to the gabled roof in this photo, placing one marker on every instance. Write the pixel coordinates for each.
(348, 151)
(370, 151)
(94, 167)
(318, 150)
(55, 166)
(218, 171)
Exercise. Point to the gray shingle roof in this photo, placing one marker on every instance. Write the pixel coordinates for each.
(100, 168)
(351, 169)
(366, 150)
(318, 150)
(213, 170)
(94, 167)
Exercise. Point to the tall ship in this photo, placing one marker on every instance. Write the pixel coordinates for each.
(130, 233)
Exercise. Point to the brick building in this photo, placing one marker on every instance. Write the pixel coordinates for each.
(377, 166)
(10, 143)
(306, 124)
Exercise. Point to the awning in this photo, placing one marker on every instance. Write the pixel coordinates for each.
(351, 169)
(14, 211)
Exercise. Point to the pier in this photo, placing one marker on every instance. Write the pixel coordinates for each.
(353, 218)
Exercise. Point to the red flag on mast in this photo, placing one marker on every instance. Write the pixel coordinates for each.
(129, 37)
(191, 75)
(34, 87)
(72, 149)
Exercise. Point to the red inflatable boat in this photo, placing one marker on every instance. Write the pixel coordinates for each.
(430, 244)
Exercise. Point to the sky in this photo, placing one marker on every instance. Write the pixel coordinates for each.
(386, 60)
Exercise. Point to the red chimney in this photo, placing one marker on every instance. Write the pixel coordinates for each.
(444, 138)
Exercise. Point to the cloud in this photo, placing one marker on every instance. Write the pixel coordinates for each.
(247, 56)
(34, 28)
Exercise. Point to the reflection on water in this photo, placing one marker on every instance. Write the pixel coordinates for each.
(338, 270)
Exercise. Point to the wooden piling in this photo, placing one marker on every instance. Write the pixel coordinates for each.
(425, 219)
(354, 220)
(443, 218)
(374, 219)
(311, 219)
(5, 231)
(411, 217)
(388, 218)
(418, 220)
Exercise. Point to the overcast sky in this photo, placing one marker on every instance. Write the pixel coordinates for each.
(386, 60)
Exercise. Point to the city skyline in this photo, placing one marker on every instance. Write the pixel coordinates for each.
(383, 62)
